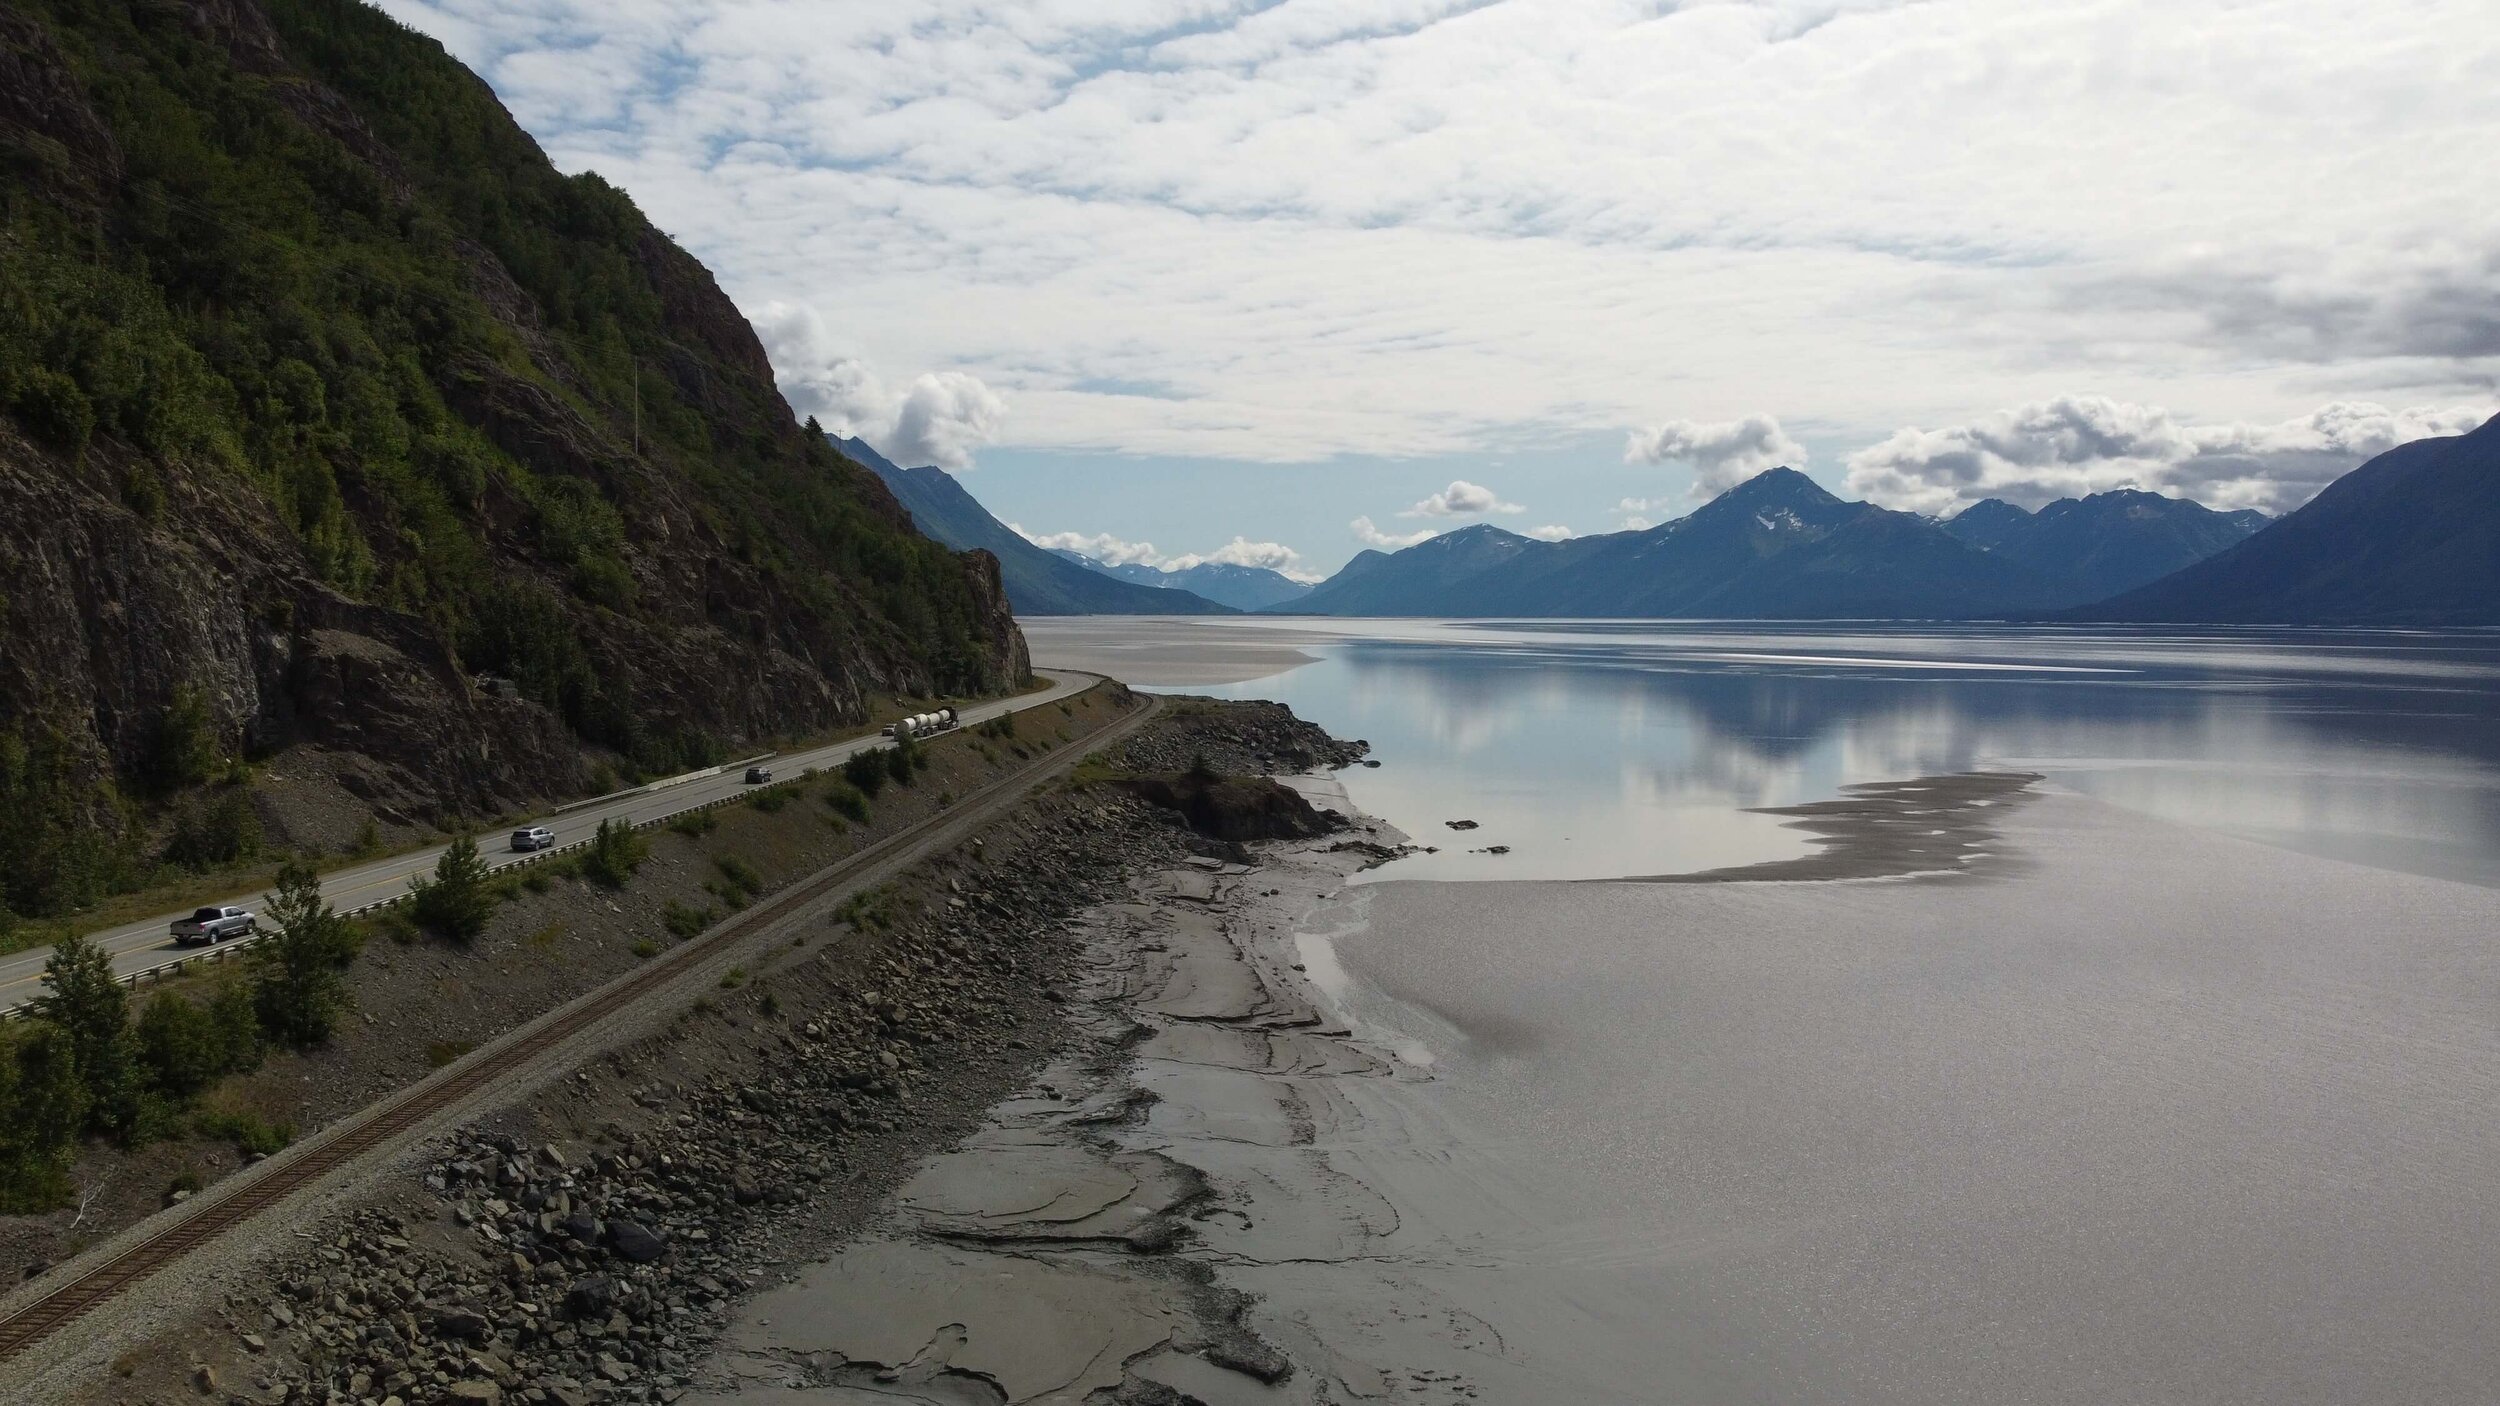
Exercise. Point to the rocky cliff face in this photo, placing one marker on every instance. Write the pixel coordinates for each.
(322, 394)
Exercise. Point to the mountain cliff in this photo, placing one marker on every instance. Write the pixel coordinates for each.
(1038, 581)
(2096, 547)
(322, 393)
(2410, 538)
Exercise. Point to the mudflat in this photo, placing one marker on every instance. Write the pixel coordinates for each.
(2152, 1114)
(1168, 652)
(2139, 1113)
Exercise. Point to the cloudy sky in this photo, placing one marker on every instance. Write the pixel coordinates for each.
(1277, 279)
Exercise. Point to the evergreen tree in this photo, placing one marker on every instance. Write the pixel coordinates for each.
(177, 1045)
(866, 770)
(298, 985)
(88, 1003)
(234, 1024)
(184, 751)
(456, 902)
(614, 854)
(42, 1109)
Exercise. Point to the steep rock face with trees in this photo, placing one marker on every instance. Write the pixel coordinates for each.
(324, 395)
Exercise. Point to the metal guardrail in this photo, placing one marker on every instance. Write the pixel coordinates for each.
(662, 784)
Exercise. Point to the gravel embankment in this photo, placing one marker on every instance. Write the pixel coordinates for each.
(421, 1002)
(589, 1246)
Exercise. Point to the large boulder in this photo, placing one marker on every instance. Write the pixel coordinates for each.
(1235, 807)
(635, 1243)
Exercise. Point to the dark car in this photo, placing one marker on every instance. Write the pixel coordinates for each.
(758, 775)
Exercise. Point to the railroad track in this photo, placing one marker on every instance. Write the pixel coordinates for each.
(245, 1196)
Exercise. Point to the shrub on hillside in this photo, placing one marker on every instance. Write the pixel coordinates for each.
(740, 875)
(216, 830)
(847, 801)
(249, 1132)
(457, 901)
(299, 986)
(184, 1046)
(42, 1109)
(615, 853)
(174, 1045)
(184, 752)
(866, 770)
(87, 1002)
(65, 836)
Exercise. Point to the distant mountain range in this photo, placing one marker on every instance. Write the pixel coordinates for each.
(1775, 546)
(1039, 581)
(1241, 587)
(2110, 542)
(2410, 538)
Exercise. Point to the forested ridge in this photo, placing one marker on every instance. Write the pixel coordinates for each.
(322, 393)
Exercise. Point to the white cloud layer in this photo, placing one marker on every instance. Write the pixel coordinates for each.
(1462, 499)
(1721, 455)
(1371, 536)
(1266, 233)
(1101, 546)
(1241, 551)
(941, 418)
(1553, 532)
(2078, 445)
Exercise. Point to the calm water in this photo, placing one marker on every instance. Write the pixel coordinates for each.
(1608, 748)
(2157, 1115)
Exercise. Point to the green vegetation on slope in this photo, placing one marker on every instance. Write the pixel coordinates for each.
(313, 273)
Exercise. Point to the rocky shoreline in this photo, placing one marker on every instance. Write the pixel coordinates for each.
(594, 1244)
(1098, 1239)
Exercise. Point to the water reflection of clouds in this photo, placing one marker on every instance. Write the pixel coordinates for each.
(2468, 656)
(1633, 743)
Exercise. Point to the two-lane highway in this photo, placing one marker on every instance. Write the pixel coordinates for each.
(142, 945)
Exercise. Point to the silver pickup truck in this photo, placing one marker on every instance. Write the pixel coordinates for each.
(215, 925)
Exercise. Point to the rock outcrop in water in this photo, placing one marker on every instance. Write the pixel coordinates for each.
(1237, 808)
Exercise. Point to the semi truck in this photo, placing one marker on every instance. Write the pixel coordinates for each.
(923, 724)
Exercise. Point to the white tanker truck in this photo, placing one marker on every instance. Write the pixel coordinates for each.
(923, 724)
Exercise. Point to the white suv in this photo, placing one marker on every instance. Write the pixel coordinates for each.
(535, 837)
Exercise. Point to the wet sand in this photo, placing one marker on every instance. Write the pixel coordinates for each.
(1930, 827)
(2141, 1114)
(1073, 1246)
(2159, 1115)
(1168, 652)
